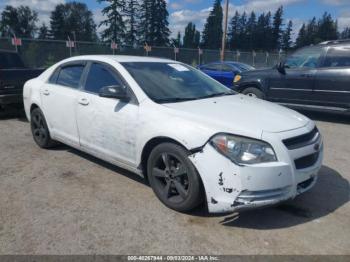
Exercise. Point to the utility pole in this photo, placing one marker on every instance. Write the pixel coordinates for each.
(225, 32)
(75, 42)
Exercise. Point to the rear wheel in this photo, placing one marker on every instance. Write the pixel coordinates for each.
(253, 92)
(40, 130)
(173, 177)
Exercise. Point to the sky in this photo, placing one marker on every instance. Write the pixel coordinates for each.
(182, 12)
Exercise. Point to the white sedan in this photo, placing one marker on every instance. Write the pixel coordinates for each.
(193, 139)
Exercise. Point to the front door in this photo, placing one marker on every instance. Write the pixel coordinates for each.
(295, 84)
(107, 126)
(59, 98)
(214, 71)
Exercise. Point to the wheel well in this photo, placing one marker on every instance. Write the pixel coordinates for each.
(250, 86)
(150, 145)
(33, 106)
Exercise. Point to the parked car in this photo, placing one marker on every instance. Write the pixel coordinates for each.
(224, 72)
(315, 77)
(166, 121)
(13, 75)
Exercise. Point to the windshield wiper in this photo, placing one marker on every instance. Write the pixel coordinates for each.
(174, 99)
(217, 95)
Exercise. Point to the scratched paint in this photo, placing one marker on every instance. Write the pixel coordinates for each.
(118, 132)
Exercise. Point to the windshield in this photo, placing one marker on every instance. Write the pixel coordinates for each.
(244, 67)
(173, 82)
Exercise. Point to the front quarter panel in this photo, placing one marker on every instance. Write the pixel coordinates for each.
(259, 81)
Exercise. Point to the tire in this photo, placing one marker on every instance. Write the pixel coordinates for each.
(253, 92)
(173, 177)
(40, 131)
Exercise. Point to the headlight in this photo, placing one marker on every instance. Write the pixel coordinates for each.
(237, 78)
(243, 150)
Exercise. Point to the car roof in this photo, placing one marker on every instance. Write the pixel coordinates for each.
(336, 42)
(121, 58)
(225, 62)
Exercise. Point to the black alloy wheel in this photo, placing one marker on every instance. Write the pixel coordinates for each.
(174, 178)
(40, 130)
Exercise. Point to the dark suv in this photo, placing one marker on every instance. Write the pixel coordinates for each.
(315, 77)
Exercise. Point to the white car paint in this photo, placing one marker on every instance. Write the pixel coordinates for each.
(118, 135)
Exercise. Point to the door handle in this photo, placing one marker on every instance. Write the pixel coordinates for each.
(83, 101)
(306, 75)
(46, 92)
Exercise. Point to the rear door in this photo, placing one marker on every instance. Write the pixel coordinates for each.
(59, 98)
(332, 86)
(296, 84)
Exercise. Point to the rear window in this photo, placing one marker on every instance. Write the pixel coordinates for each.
(10, 61)
(70, 76)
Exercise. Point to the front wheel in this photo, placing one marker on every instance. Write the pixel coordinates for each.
(253, 92)
(173, 177)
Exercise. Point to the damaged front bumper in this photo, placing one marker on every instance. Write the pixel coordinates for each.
(231, 188)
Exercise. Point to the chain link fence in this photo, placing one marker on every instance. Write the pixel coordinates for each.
(43, 53)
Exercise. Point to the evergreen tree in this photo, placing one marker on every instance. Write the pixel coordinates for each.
(311, 36)
(286, 38)
(327, 28)
(154, 25)
(345, 34)
(212, 33)
(43, 32)
(197, 39)
(178, 39)
(251, 32)
(192, 36)
(72, 19)
(277, 28)
(114, 22)
(233, 31)
(317, 31)
(21, 21)
(242, 33)
(57, 23)
(132, 10)
(301, 39)
(176, 42)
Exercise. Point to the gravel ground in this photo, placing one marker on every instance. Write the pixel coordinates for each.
(62, 201)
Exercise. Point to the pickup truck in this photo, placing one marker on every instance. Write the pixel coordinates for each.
(13, 75)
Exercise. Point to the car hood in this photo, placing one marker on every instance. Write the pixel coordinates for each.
(238, 114)
(258, 72)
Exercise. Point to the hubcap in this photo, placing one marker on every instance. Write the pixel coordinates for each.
(39, 130)
(171, 178)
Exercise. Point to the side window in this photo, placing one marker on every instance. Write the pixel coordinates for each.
(213, 67)
(53, 77)
(337, 57)
(304, 58)
(227, 68)
(70, 76)
(100, 76)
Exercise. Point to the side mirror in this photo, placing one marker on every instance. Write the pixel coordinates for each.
(281, 68)
(116, 91)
